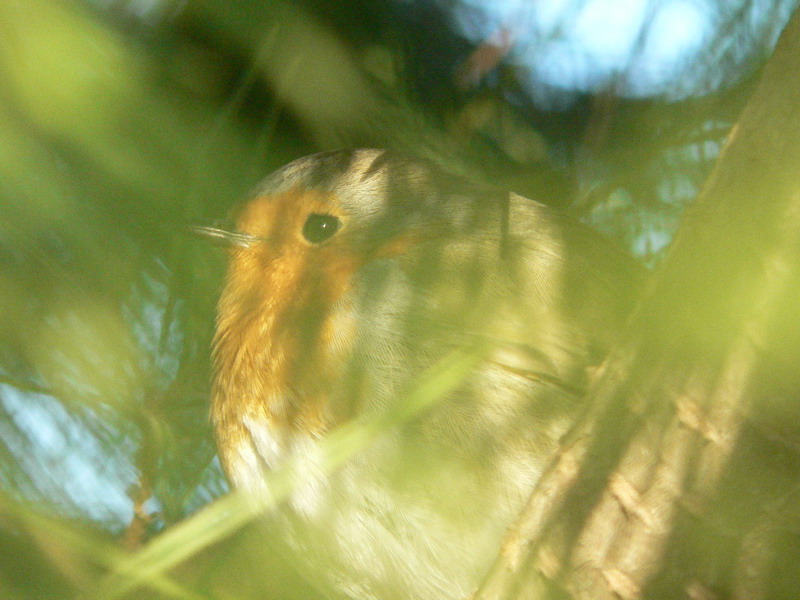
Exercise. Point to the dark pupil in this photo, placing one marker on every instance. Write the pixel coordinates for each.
(319, 228)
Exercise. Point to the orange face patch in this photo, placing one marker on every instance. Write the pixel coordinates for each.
(275, 331)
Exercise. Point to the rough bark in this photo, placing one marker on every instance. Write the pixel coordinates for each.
(680, 478)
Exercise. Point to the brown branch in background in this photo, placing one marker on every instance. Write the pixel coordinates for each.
(484, 59)
(604, 109)
(135, 534)
(151, 445)
(650, 460)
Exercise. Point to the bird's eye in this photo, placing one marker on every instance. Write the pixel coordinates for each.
(319, 227)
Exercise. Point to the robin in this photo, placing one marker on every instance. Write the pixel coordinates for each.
(353, 273)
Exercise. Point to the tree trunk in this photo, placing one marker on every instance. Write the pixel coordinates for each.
(681, 478)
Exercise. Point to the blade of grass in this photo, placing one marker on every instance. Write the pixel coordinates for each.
(51, 532)
(228, 514)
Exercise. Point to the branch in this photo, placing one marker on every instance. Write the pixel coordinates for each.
(646, 466)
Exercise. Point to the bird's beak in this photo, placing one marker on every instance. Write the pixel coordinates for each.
(222, 237)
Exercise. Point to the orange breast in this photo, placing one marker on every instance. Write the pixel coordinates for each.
(279, 340)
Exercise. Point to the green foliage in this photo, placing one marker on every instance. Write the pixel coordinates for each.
(118, 131)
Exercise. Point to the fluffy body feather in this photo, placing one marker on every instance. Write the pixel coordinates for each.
(312, 335)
